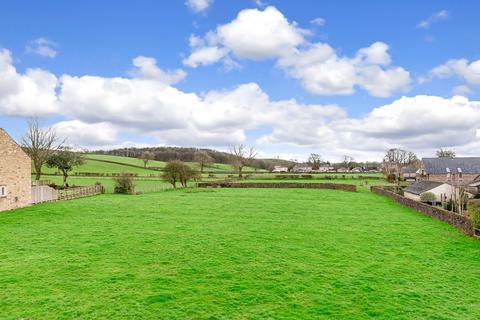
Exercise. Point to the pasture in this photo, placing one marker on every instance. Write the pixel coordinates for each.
(235, 253)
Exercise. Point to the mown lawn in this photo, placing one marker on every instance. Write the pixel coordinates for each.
(235, 253)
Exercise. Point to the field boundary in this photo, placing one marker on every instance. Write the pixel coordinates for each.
(460, 222)
(333, 186)
(80, 192)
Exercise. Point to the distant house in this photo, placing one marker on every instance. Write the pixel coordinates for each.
(342, 170)
(15, 174)
(409, 173)
(279, 169)
(441, 190)
(326, 169)
(475, 185)
(357, 170)
(452, 170)
(302, 169)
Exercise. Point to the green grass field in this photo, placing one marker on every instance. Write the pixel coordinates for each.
(141, 184)
(97, 164)
(235, 254)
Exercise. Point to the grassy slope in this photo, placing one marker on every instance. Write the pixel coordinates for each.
(124, 165)
(161, 164)
(104, 167)
(127, 160)
(235, 253)
(141, 184)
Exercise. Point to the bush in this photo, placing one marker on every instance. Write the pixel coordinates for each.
(392, 178)
(428, 197)
(177, 171)
(477, 196)
(474, 212)
(124, 184)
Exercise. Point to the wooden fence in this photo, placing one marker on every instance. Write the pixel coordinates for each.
(42, 193)
(79, 192)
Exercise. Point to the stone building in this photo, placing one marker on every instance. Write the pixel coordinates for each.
(458, 171)
(15, 174)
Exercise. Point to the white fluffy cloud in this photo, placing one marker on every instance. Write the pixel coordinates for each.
(31, 93)
(266, 34)
(146, 68)
(42, 47)
(420, 122)
(259, 35)
(321, 71)
(205, 55)
(253, 34)
(461, 68)
(78, 133)
(198, 5)
(97, 109)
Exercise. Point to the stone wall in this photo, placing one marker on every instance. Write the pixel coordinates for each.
(15, 174)
(466, 177)
(334, 186)
(458, 221)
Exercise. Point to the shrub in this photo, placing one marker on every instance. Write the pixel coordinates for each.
(428, 197)
(177, 171)
(392, 178)
(123, 184)
(477, 196)
(474, 212)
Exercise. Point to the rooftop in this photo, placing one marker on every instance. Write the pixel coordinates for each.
(422, 186)
(452, 165)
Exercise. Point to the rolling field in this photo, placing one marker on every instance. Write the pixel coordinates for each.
(104, 167)
(235, 253)
(141, 184)
(106, 164)
(160, 164)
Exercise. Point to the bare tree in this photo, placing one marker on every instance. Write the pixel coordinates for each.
(40, 144)
(348, 162)
(145, 157)
(241, 157)
(445, 153)
(315, 160)
(395, 159)
(203, 159)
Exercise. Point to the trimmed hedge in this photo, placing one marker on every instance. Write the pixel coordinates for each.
(334, 186)
(474, 212)
(460, 222)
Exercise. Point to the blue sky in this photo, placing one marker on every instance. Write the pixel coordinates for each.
(252, 77)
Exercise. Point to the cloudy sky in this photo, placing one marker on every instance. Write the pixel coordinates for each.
(289, 77)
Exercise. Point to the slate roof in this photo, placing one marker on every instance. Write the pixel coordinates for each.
(422, 186)
(409, 170)
(439, 165)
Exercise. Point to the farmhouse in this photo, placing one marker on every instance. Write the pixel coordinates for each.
(279, 169)
(441, 190)
(475, 185)
(453, 170)
(409, 173)
(302, 169)
(15, 174)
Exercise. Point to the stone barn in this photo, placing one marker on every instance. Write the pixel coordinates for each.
(15, 174)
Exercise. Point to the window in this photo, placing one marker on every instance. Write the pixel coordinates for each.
(3, 191)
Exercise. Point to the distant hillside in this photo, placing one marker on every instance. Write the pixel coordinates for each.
(165, 154)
